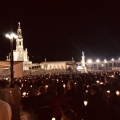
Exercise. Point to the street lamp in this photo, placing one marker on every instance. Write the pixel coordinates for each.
(11, 37)
(97, 60)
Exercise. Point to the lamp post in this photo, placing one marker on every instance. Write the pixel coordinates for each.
(11, 37)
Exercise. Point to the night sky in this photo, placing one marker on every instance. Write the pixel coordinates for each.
(59, 31)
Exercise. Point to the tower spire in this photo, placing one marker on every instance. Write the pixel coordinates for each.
(18, 25)
(19, 32)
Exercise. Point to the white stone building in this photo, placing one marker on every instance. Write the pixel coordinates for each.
(20, 54)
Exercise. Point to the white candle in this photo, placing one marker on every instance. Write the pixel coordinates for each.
(24, 93)
(101, 83)
(86, 91)
(85, 103)
(117, 93)
(57, 80)
(97, 81)
(87, 86)
(64, 85)
(53, 118)
(108, 91)
(22, 85)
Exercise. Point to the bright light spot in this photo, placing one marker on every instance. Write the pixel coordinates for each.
(7, 35)
(108, 91)
(97, 60)
(85, 103)
(112, 59)
(79, 67)
(12, 35)
(105, 60)
(117, 93)
(89, 61)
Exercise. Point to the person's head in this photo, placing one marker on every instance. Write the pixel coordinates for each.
(70, 84)
(3, 84)
(64, 107)
(59, 91)
(42, 89)
(69, 115)
(94, 89)
(12, 85)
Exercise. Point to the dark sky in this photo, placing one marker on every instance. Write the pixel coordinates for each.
(62, 30)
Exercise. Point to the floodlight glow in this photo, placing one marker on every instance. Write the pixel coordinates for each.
(7, 35)
(11, 36)
(105, 60)
(89, 61)
(112, 59)
(97, 60)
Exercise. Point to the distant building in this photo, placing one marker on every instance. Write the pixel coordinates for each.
(20, 54)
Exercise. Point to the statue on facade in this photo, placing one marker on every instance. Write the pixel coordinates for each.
(84, 70)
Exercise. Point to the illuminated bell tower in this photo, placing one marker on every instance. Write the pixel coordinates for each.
(19, 40)
(19, 44)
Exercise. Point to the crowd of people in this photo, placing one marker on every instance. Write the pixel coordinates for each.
(62, 96)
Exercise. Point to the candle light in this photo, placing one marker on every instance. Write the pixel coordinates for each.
(64, 85)
(31, 86)
(10, 91)
(53, 118)
(112, 75)
(24, 93)
(86, 91)
(97, 81)
(87, 86)
(46, 86)
(75, 83)
(108, 91)
(22, 85)
(85, 103)
(101, 83)
(57, 80)
(117, 93)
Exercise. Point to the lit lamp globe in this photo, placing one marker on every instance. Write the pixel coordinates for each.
(112, 59)
(105, 61)
(97, 60)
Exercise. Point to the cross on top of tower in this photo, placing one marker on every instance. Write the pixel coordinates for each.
(19, 32)
(18, 25)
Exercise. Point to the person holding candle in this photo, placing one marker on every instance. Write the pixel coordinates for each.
(97, 106)
(16, 107)
(42, 105)
(56, 102)
(71, 94)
